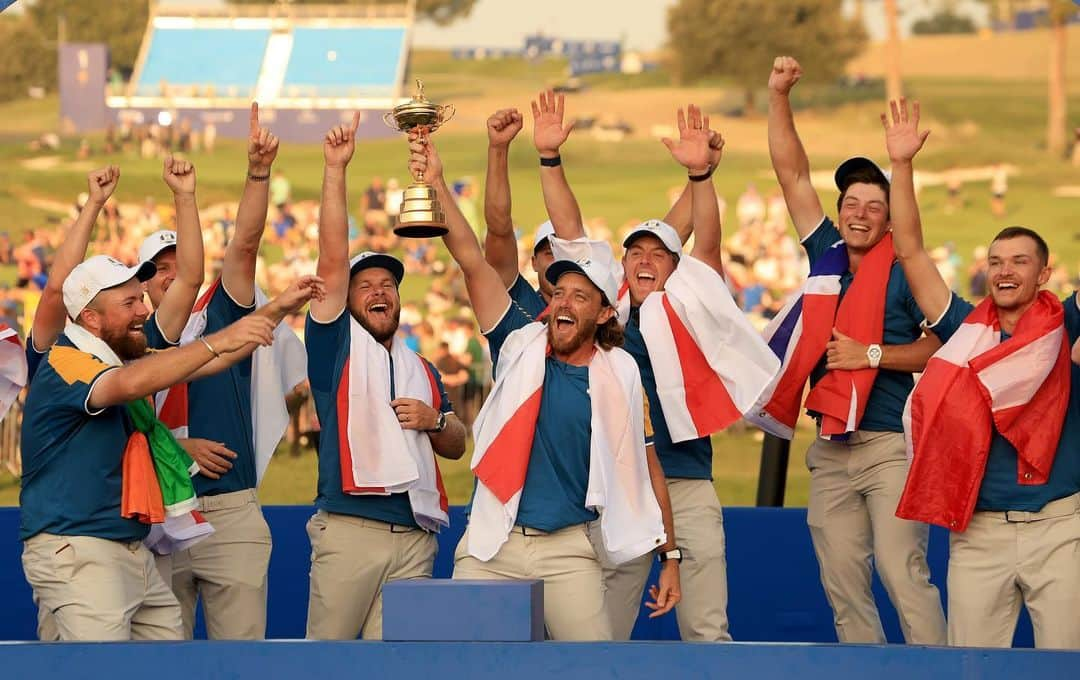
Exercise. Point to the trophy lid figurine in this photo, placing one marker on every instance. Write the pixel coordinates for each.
(421, 215)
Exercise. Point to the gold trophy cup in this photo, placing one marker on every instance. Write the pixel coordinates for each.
(420, 215)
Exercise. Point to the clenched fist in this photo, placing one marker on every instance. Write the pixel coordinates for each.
(785, 73)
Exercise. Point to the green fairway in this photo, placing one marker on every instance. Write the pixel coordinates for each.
(975, 122)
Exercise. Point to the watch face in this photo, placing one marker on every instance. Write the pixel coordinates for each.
(874, 352)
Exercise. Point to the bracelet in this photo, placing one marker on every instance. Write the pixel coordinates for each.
(209, 346)
(702, 177)
(550, 162)
(258, 178)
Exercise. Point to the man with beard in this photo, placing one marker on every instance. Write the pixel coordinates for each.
(652, 255)
(859, 345)
(384, 416)
(83, 553)
(994, 426)
(546, 438)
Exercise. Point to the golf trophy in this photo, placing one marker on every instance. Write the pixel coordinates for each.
(420, 216)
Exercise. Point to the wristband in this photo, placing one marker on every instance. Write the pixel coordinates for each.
(702, 177)
(209, 347)
(258, 178)
(550, 162)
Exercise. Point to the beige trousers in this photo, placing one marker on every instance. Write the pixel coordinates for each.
(699, 531)
(96, 589)
(227, 570)
(854, 490)
(567, 563)
(351, 559)
(1004, 559)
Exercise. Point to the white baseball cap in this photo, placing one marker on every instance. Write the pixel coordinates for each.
(96, 274)
(543, 233)
(155, 243)
(658, 228)
(591, 258)
(369, 259)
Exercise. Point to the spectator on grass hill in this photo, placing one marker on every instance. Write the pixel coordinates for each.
(280, 190)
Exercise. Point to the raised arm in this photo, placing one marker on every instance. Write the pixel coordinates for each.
(549, 134)
(680, 216)
(903, 141)
(789, 160)
(333, 266)
(692, 151)
(238, 271)
(487, 294)
(160, 370)
(500, 244)
(51, 315)
(175, 309)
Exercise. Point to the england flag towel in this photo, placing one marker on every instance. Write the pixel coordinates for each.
(13, 370)
(619, 487)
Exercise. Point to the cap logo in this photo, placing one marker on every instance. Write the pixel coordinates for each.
(84, 290)
(168, 237)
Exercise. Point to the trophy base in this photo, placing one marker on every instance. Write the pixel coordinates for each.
(421, 229)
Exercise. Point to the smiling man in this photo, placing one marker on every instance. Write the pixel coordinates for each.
(859, 345)
(548, 492)
(385, 416)
(994, 426)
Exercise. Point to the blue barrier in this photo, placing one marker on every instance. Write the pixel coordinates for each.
(440, 609)
(775, 594)
(539, 661)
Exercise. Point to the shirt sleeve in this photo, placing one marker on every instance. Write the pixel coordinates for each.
(224, 308)
(951, 319)
(76, 374)
(820, 240)
(322, 341)
(1072, 317)
(512, 319)
(155, 339)
(444, 399)
(33, 359)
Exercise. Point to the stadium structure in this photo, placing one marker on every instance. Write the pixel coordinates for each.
(308, 66)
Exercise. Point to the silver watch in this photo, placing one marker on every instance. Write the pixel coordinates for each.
(873, 355)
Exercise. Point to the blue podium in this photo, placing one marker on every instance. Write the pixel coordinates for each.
(443, 610)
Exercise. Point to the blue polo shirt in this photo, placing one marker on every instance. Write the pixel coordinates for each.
(327, 349)
(527, 298)
(690, 459)
(558, 474)
(33, 358)
(155, 339)
(72, 479)
(999, 489)
(885, 405)
(219, 406)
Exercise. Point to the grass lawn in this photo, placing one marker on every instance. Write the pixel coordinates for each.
(976, 121)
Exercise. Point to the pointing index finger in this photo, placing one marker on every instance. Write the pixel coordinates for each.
(253, 119)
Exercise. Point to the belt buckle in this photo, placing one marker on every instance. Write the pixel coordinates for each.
(400, 528)
(1017, 516)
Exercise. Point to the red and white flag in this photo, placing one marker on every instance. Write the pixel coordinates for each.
(976, 384)
(13, 370)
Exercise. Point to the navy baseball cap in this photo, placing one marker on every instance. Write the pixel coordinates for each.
(368, 260)
(855, 164)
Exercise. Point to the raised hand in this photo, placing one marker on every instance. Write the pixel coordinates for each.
(340, 143)
(785, 73)
(251, 328)
(503, 126)
(693, 150)
(716, 147)
(903, 138)
(179, 175)
(302, 291)
(102, 183)
(549, 132)
(424, 159)
(262, 144)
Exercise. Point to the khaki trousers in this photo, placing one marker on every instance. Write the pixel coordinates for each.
(699, 531)
(96, 589)
(1004, 559)
(351, 559)
(855, 487)
(227, 570)
(47, 630)
(567, 563)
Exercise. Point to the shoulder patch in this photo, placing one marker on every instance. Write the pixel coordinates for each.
(73, 365)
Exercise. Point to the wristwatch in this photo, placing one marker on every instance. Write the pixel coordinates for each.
(673, 554)
(440, 423)
(873, 355)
